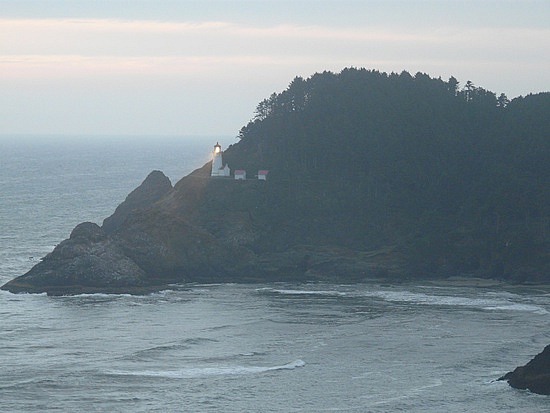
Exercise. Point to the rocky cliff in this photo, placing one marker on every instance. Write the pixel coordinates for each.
(371, 176)
(155, 186)
(202, 230)
(534, 376)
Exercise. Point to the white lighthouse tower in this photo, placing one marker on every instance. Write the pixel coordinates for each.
(218, 168)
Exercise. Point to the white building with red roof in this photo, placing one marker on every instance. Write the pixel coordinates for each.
(240, 174)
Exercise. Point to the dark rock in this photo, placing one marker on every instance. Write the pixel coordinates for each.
(153, 188)
(534, 376)
(87, 231)
(189, 235)
(86, 262)
(170, 248)
(353, 193)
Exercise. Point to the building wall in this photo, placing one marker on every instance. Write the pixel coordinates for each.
(217, 165)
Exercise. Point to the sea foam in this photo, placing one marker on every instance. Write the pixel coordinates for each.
(493, 303)
(208, 371)
(302, 292)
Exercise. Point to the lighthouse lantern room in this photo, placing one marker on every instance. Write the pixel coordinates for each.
(218, 168)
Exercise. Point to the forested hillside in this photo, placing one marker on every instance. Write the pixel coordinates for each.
(454, 177)
(372, 176)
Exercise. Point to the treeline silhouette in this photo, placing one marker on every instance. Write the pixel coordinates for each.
(456, 178)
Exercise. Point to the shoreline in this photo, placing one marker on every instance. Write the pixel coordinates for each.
(476, 282)
(455, 281)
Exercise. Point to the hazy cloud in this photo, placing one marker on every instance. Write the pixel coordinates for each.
(193, 65)
(139, 45)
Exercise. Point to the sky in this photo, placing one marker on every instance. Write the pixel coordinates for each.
(150, 67)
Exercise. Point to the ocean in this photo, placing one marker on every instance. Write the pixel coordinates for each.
(284, 347)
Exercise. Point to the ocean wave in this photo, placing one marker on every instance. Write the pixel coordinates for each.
(170, 347)
(501, 304)
(20, 296)
(519, 307)
(149, 352)
(194, 372)
(406, 393)
(302, 292)
(94, 296)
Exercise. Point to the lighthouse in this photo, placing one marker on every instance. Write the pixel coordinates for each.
(218, 168)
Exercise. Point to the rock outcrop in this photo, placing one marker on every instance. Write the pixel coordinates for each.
(362, 185)
(161, 235)
(155, 186)
(144, 247)
(88, 261)
(93, 259)
(534, 376)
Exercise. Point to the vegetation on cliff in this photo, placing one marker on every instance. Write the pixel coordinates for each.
(455, 177)
(371, 175)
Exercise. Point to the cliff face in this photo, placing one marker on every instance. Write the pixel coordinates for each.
(534, 376)
(92, 259)
(202, 230)
(143, 246)
(371, 175)
(89, 261)
(155, 186)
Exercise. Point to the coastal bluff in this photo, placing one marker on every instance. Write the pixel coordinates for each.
(162, 235)
(395, 177)
(534, 376)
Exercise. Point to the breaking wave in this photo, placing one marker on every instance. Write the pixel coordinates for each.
(301, 292)
(208, 371)
(495, 304)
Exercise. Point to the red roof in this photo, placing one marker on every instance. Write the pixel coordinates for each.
(263, 172)
(240, 172)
